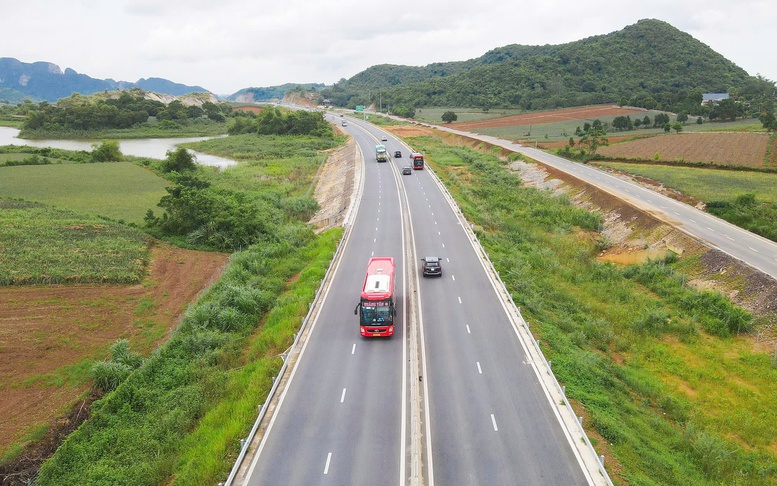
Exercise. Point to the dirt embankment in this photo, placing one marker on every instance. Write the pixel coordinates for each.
(335, 185)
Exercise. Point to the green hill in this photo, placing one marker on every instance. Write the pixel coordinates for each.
(650, 64)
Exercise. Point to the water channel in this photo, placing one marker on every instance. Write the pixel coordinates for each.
(155, 148)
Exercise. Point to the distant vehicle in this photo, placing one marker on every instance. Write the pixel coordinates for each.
(432, 266)
(376, 308)
(344, 123)
(418, 161)
(397, 154)
(407, 170)
(341, 115)
(384, 138)
(380, 153)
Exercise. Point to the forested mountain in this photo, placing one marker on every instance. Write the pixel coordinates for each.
(650, 63)
(271, 93)
(45, 81)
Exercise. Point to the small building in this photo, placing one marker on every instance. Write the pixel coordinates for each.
(708, 98)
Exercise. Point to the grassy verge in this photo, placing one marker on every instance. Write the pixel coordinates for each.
(670, 390)
(42, 245)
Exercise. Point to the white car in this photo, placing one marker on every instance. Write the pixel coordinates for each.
(384, 139)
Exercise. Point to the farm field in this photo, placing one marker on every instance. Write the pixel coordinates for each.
(554, 126)
(434, 115)
(553, 116)
(51, 335)
(705, 184)
(732, 149)
(121, 190)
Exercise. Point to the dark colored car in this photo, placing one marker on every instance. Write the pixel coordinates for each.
(397, 154)
(407, 170)
(432, 266)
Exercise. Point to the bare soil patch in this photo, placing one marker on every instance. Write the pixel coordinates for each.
(740, 149)
(44, 329)
(553, 116)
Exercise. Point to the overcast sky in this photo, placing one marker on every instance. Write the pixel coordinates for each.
(227, 45)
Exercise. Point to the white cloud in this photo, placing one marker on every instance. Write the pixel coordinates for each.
(232, 44)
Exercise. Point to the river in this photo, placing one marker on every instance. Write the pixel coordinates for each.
(155, 148)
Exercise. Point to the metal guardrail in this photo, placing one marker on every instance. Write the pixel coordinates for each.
(508, 298)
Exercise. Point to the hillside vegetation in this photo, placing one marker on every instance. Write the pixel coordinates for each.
(649, 64)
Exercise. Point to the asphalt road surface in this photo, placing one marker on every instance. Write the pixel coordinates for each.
(346, 416)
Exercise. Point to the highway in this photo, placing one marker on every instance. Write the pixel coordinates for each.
(346, 415)
(340, 419)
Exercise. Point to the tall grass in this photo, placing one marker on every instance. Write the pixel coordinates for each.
(669, 399)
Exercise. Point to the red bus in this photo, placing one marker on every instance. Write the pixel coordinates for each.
(376, 308)
(418, 161)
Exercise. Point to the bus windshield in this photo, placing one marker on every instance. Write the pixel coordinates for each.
(372, 314)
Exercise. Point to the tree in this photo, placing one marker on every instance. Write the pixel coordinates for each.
(768, 121)
(677, 127)
(449, 117)
(107, 151)
(682, 117)
(593, 137)
(660, 120)
(178, 160)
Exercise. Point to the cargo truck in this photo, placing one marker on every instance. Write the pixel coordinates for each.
(380, 153)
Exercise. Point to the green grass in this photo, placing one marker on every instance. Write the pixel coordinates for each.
(281, 165)
(39, 244)
(673, 402)
(121, 190)
(706, 184)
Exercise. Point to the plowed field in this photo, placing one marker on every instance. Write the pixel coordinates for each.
(553, 116)
(742, 149)
(45, 331)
